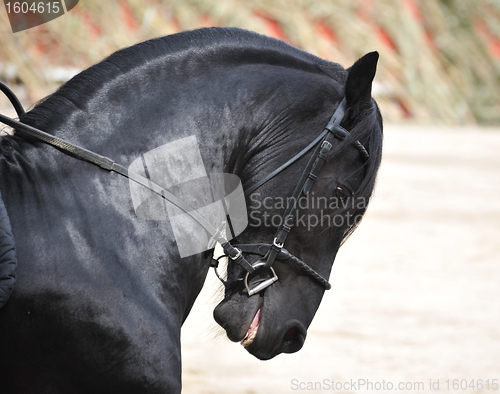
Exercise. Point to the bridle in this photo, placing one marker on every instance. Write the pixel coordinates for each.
(269, 252)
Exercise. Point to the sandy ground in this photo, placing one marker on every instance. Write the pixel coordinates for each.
(416, 289)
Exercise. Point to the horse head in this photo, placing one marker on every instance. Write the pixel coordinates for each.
(276, 319)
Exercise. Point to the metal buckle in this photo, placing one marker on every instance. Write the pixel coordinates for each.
(263, 284)
(237, 254)
(325, 142)
(277, 244)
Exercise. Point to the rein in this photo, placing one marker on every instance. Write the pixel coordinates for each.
(109, 165)
(269, 252)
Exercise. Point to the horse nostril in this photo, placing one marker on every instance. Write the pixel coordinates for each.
(293, 340)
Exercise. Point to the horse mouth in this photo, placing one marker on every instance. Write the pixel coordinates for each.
(252, 331)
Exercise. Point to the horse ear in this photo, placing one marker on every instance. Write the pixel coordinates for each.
(358, 88)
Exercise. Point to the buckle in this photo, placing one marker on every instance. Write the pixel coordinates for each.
(325, 142)
(237, 255)
(263, 284)
(277, 244)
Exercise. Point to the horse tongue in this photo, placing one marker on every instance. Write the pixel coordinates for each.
(252, 330)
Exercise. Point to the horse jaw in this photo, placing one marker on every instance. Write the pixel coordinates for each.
(236, 314)
(271, 322)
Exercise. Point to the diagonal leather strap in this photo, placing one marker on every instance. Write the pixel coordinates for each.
(110, 165)
(286, 165)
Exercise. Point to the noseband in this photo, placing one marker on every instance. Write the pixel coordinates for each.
(270, 252)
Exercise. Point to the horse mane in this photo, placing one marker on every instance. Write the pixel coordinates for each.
(214, 45)
(369, 131)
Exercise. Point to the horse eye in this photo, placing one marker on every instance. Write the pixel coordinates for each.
(342, 193)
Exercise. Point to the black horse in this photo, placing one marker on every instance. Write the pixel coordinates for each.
(101, 294)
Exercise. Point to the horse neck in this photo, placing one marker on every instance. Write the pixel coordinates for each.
(123, 133)
(45, 191)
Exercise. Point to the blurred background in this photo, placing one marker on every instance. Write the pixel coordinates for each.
(416, 295)
(440, 59)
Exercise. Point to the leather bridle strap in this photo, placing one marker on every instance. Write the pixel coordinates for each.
(309, 176)
(287, 164)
